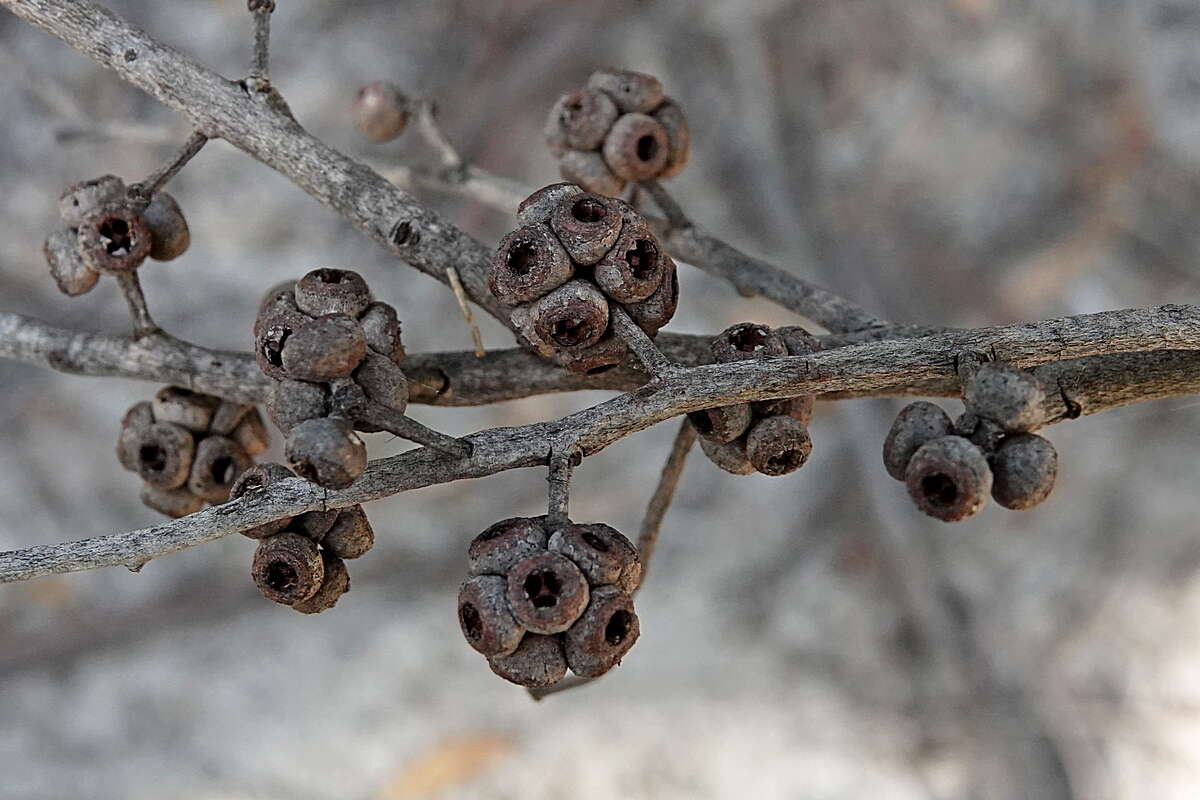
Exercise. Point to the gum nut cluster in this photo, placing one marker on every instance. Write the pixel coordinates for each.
(542, 598)
(618, 129)
(769, 437)
(301, 561)
(334, 353)
(189, 448)
(950, 468)
(108, 233)
(381, 111)
(575, 254)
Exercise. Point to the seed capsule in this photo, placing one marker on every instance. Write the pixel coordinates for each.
(279, 298)
(381, 111)
(574, 315)
(499, 548)
(191, 410)
(679, 138)
(635, 266)
(723, 424)
(589, 170)
(164, 455)
(747, 341)
(217, 464)
(539, 206)
(546, 593)
(600, 551)
(730, 457)
(287, 568)
(588, 226)
(1024, 468)
(603, 635)
(351, 535)
(778, 445)
(175, 503)
(334, 584)
(597, 359)
(271, 334)
(257, 478)
(529, 263)
(169, 233)
(949, 478)
(292, 402)
(381, 328)
(134, 425)
(113, 239)
(72, 276)
(82, 199)
(327, 452)
(916, 424)
(325, 348)
(636, 149)
(657, 309)
(382, 381)
(631, 91)
(537, 662)
(580, 120)
(251, 434)
(1006, 395)
(332, 291)
(484, 617)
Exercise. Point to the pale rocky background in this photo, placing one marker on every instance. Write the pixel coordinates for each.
(943, 161)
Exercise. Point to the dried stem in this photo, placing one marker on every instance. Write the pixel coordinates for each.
(145, 190)
(425, 111)
(663, 494)
(460, 295)
(642, 346)
(666, 204)
(404, 426)
(260, 63)
(563, 460)
(131, 288)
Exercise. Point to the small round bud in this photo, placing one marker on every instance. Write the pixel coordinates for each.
(381, 328)
(382, 381)
(271, 332)
(113, 239)
(499, 548)
(327, 452)
(351, 535)
(257, 478)
(1024, 468)
(251, 434)
(631, 91)
(72, 276)
(778, 445)
(169, 234)
(635, 266)
(747, 341)
(332, 291)
(287, 568)
(603, 635)
(657, 309)
(580, 120)
(292, 402)
(573, 316)
(636, 149)
(134, 425)
(335, 584)
(325, 348)
(483, 614)
(589, 170)
(916, 424)
(587, 226)
(601, 552)
(1006, 395)
(679, 138)
(175, 503)
(537, 662)
(722, 424)
(192, 410)
(217, 464)
(164, 455)
(949, 478)
(82, 199)
(528, 263)
(380, 111)
(546, 592)
(730, 457)
(539, 206)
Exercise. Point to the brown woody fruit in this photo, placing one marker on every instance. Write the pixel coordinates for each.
(606, 354)
(169, 233)
(382, 381)
(174, 503)
(573, 316)
(1024, 468)
(191, 410)
(351, 535)
(332, 291)
(603, 635)
(730, 457)
(984, 433)
(81, 199)
(504, 544)
(381, 111)
(381, 328)
(326, 451)
(272, 330)
(256, 478)
(134, 425)
(114, 239)
(635, 266)
(328, 347)
(539, 206)
(589, 170)
(679, 138)
(347, 399)
(280, 297)
(251, 433)
(636, 149)
(798, 408)
(72, 276)
(587, 226)
(916, 424)
(546, 592)
(537, 662)
(292, 402)
(164, 455)
(949, 478)
(747, 341)
(798, 341)
(287, 568)
(601, 552)
(315, 524)
(484, 616)
(228, 416)
(335, 584)
(722, 424)
(580, 120)
(217, 464)
(657, 309)
(1008, 396)
(778, 445)
(529, 262)
(631, 91)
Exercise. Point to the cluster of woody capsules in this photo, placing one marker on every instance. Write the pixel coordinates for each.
(618, 129)
(542, 598)
(574, 253)
(771, 436)
(189, 448)
(951, 467)
(109, 232)
(300, 561)
(334, 354)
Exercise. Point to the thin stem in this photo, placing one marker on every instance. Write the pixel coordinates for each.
(259, 66)
(398, 424)
(427, 126)
(131, 288)
(563, 460)
(667, 205)
(146, 189)
(460, 294)
(663, 494)
(642, 345)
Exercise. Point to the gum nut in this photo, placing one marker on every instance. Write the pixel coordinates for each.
(334, 584)
(747, 341)
(382, 381)
(579, 120)
(332, 291)
(637, 149)
(1006, 395)
(327, 452)
(287, 568)
(916, 424)
(537, 208)
(631, 91)
(134, 425)
(351, 535)
(600, 551)
(81, 199)
(778, 445)
(292, 402)
(164, 455)
(271, 332)
(679, 138)
(251, 435)
(175, 503)
(113, 240)
(546, 592)
(380, 111)
(657, 309)
(603, 635)
(71, 275)
(587, 226)
(949, 479)
(1024, 468)
(325, 348)
(529, 262)
(228, 416)
(730, 457)
(573, 316)
(722, 424)
(258, 478)
(483, 615)
(382, 329)
(181, 406)
(169, 234)
(538, 662)
(217, 464)
(499, 548)
(635, 266)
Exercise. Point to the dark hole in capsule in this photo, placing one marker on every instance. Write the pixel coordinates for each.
(642, 259)
(748, 340)
(588, 210)
(542, 588)
(571, 330)
(281, 576)
(273, 342)
(600, 369)
(618, 627)
(595, 542)
(786, 461)
(152, 457)
(522, 258)
(647, 148)
(330, 276)
(223, 470)
(702, 421)
(939, 489)
(116, 237)
(307, 471)
(472, 624)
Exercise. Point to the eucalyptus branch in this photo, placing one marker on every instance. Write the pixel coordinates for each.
(131, 289)
(668, 482)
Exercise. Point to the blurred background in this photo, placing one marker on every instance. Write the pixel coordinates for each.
(957, 162)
